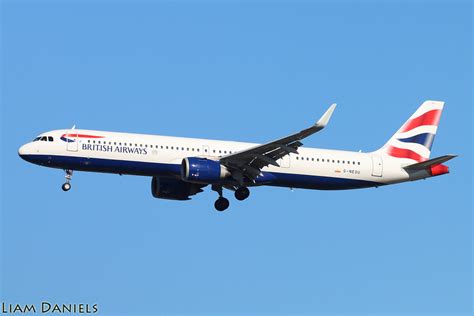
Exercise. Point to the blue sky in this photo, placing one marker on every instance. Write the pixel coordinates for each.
(238, 71)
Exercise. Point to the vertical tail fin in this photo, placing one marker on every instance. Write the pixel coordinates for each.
(415, 138)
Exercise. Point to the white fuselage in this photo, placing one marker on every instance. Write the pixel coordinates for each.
(150, 155)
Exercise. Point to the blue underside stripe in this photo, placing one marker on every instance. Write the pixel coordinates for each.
(174, 170)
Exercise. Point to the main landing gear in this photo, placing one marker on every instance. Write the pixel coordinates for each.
(67, 185)
(242, 193)
(222, 203)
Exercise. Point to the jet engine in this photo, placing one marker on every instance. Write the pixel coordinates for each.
(202, 170)
(173, 189)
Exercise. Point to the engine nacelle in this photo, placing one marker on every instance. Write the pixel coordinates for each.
(173, 189)
(202, 170)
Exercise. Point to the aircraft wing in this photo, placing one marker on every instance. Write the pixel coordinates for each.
(248, 163)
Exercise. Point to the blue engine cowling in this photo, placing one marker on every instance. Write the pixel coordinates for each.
(173, 189)
(202, 170)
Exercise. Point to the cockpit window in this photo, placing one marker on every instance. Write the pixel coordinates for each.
(44, 139)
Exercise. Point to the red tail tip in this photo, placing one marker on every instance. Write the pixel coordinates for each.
(437, 170)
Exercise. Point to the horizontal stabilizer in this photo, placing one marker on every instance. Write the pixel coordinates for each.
(429, 163)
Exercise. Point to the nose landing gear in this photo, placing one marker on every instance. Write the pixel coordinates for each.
(67, 185)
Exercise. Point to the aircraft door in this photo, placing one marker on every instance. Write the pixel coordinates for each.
(72, 141)
(377, 166)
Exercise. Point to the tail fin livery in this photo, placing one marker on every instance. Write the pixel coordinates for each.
(415, 138)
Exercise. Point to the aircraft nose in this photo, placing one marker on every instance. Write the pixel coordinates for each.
(24, 151)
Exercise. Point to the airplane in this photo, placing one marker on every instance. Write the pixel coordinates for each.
(181, 167)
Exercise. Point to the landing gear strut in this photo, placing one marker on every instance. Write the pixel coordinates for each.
(242, 193)
(67, 185)
(221, 203)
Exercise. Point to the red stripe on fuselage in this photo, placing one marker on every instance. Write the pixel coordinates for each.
(81, 136)
(404, 153)
(429, 118)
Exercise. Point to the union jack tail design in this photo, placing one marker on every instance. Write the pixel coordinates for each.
(415, 138)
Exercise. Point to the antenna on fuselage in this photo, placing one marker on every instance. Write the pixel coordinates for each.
(74, 126)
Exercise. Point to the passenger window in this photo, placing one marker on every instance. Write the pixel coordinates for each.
(358, 163)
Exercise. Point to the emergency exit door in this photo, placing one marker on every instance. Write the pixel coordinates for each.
(377, 166)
